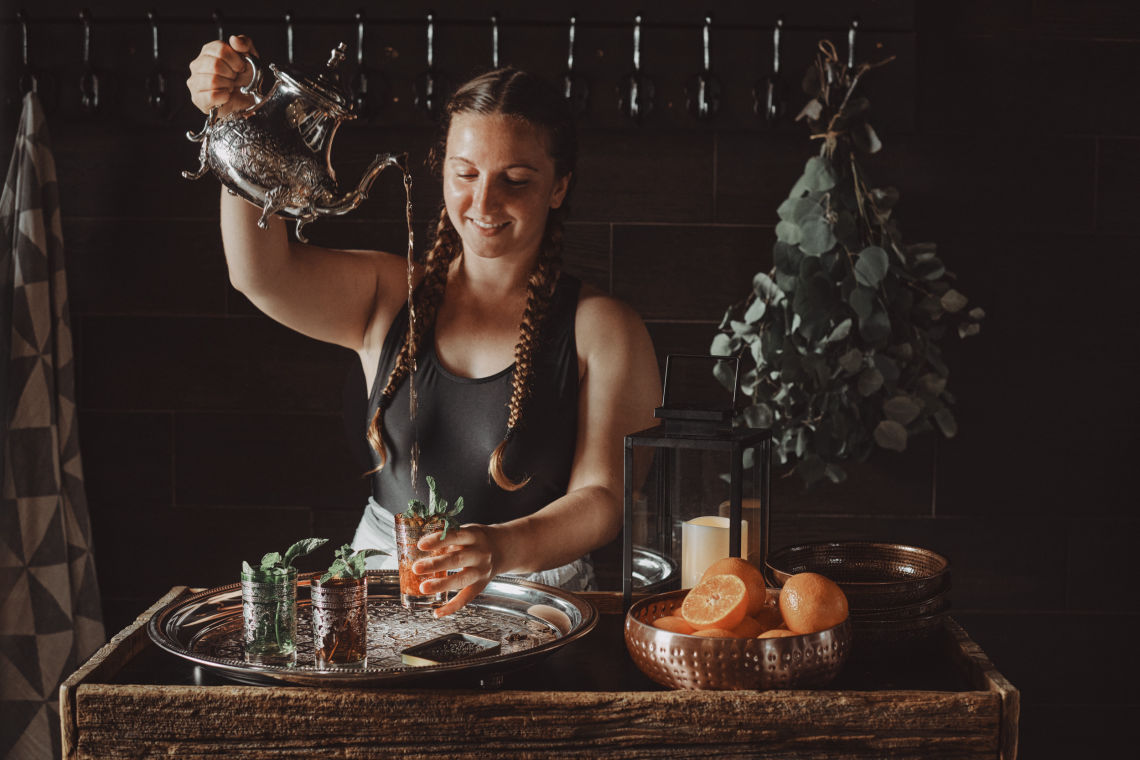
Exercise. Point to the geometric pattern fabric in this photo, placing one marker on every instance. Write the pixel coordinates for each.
(50, 614)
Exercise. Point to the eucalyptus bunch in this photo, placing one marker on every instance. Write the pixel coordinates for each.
(840, 340)
(348, 563)
(437, 509)
(274, 563)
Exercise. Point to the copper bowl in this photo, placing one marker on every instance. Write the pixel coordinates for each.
(680, 661)
(874, 576)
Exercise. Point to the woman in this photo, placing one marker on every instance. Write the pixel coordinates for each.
(526, 381)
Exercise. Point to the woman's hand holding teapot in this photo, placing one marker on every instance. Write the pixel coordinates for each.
(217, 74)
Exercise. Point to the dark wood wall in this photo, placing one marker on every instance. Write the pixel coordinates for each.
(211, 434)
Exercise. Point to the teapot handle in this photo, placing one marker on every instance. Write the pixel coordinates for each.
(254, 86)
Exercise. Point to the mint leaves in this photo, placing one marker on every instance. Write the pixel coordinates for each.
(349, 564)
(436, 510)
(274, 564)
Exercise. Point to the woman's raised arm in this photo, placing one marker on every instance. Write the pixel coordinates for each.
(344, 297)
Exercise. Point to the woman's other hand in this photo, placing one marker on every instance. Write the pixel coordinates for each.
(473, 551)
(218, 72)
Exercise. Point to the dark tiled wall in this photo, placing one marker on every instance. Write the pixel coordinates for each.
(211, 434)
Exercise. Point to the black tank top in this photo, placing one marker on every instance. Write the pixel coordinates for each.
(460, 421)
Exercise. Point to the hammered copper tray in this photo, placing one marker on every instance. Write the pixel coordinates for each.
(206, 630)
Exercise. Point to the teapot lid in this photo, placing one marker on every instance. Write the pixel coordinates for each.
(326, 88)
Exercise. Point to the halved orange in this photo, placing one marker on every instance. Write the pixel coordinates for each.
(718, 601)
(673, 624)
(747, 572)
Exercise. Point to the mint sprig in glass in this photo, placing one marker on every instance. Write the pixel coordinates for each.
(340, 609)
(418, 520)
(269, 604)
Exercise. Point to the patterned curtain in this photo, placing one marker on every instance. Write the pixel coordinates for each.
(50, 614)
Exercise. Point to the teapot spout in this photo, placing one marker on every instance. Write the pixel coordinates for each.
(354, 198)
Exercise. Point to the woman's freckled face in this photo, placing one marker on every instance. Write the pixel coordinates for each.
(499, 184)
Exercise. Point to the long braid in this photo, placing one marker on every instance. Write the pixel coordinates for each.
(540, 292)
(426, 299)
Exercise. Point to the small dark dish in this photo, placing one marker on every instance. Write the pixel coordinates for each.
(451, 647)
(874, 576)
(681, 661)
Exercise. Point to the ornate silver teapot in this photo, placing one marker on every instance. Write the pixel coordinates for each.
(276, 153)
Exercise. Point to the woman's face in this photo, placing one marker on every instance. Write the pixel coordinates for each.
(499, 184)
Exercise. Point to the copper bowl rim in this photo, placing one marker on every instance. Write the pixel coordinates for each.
(941, 564)
(773, 595)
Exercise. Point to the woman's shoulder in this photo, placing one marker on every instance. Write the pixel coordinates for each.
(606, 323)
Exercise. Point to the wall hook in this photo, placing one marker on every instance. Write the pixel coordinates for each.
(88, 80)
(370, 88)
(703, 91)
(429, 85)
(636, 92)
(28, 82)
(289, 37)
(360, 82)
(494, 40)
(574, 86)
(156, 95)
(770, 96)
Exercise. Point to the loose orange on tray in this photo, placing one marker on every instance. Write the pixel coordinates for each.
(747, 572)
(811, 602)
(718, 601)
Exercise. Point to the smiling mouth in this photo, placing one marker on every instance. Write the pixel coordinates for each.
(486, 226)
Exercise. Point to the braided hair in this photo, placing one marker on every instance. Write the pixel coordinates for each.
(509, 92)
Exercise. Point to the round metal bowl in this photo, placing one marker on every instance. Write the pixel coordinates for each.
(874, 576)
(934, 604)
(653, 571)
(876, 633)
(680, 661)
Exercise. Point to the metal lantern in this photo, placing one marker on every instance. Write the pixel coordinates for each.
(695, 481)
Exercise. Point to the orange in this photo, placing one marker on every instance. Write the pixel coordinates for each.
(811, 602)
(718, 601)
(716, 633)
(749, 628)
(769, 617)
(673, 624)
(747, 572)
(776, 633)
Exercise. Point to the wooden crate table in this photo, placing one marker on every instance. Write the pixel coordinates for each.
(942, 700)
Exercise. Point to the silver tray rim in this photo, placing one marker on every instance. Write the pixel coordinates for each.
(163, 631)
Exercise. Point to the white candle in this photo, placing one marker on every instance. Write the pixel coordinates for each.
(704, 540)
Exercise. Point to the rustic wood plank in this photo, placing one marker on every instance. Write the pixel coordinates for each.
(187, 721)
(106, 662)
(984, 675)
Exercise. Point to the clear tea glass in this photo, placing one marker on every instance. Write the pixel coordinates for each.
(408, 534)
(269, 615)
(340, 621)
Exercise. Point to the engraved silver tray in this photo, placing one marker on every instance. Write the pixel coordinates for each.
(206, 629)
